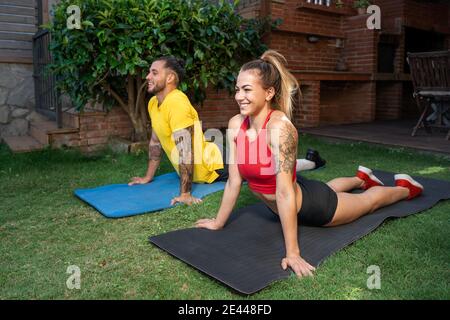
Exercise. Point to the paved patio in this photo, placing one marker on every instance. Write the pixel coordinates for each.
(395, 133)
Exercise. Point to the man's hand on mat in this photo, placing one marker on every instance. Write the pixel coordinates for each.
(186, 198)
(298, 265)
(210, 224)
(139, 180)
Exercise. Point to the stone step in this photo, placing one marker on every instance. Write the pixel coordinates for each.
(23, 143)
(42, 130)
(39, 130)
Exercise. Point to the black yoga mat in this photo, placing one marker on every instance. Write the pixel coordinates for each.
(246, 254)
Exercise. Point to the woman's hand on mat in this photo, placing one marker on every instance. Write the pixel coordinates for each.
(139, 180)
(186, 198)
(298, 265)
(210, 224)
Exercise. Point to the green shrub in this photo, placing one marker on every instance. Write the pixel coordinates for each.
(361, 4)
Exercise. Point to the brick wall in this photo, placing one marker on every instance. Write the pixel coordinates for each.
(418, 14)
(250, 8)
(427, 16)
(217, 109)
(361, 45)
(392, 13)
(389, 100)
(95, 129)
(305, 21)
(302, 55)
(308, 113)
(400, 55)
(357, 105)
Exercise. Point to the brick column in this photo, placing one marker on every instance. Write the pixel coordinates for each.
(361, 45)
(389, 100)
(308, 113)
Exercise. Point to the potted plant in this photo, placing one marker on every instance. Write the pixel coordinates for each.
(361, 5)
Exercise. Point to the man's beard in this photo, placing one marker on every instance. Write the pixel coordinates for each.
(156, 89)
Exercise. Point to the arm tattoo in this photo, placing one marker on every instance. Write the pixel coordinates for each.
(155, 152)
(183, 140)
(186, 177)
(287, 148)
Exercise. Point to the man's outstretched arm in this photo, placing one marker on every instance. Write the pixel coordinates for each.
(154, 158)
(184, 142)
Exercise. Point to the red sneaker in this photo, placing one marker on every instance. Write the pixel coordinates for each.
(369, 178)
(404, 180)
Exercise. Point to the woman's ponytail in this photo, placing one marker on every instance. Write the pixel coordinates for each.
(288, 85)
(273, 73)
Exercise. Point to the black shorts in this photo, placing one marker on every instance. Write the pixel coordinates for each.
(319, 202)
(223, 173)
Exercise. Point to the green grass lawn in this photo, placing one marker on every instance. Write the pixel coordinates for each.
(44, 229)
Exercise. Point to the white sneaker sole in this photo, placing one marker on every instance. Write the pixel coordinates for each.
(370, 174)
(408, 178)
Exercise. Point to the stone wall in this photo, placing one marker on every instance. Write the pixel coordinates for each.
(16, 99)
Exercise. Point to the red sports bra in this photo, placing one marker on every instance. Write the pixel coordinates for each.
(256, 162)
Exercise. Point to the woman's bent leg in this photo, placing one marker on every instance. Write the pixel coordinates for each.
(353, 206)
(345, 184)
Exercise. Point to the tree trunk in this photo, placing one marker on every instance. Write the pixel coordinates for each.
(134, 106)
(133, 87)
(140, 130)
(141, 107)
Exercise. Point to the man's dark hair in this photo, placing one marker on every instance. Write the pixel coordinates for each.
(176, 65)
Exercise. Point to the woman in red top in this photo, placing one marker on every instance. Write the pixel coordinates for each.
(264, 154)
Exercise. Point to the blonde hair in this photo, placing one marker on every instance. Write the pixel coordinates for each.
(273, 73)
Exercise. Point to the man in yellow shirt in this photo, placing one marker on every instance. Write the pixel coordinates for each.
(176, 129)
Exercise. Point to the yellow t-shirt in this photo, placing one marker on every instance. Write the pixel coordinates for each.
(176, 113)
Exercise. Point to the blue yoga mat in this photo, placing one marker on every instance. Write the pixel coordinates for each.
(122, 200)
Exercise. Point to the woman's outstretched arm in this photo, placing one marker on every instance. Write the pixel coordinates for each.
(233, 185)
(284, 147)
